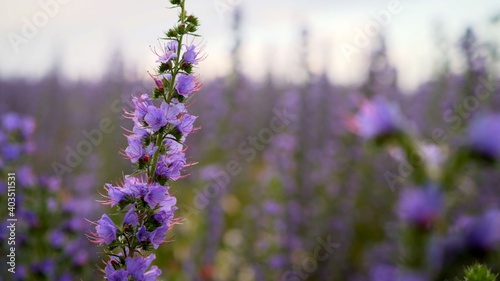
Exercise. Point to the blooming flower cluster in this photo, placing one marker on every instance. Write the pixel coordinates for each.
(156, 148)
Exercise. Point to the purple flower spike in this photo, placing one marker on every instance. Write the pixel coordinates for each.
(106, 230)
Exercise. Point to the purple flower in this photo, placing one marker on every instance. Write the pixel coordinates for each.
(11, 121)
(56, 238)
(27, 127)
(377, 118)
(135, 187)
(172, 46)
(172, 145)
(136, 267)
(186, 85)
(131, 217)
(166, 213)
(155, 118)
(134, 150)
(12, 151)
(152, 274)
(141, 105)
(190, 55)
(26, 176)
(115, 194)
(167, 56)
(484, 136)
(186, 124)
(170, 166)
(115, 275)
(155, 195)
(483, 234)
(170, 112)
(142, 234)
(141, 133)
(420, 207)
(106, 230)
(158, 236)
(45, 267)
(164, 217)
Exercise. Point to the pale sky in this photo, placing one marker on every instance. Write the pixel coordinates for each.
(84, 34)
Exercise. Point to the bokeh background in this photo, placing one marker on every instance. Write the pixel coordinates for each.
(72, 64)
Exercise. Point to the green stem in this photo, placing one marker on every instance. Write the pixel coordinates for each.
(170, 92)
(175, 70)
(411, 151)
(159, 141)
(452, 169)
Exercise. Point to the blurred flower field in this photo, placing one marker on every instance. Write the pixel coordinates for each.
(311, 180)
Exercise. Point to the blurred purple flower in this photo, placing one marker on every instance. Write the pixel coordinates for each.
(45, 267)
(420, 207)
(11, 121)
(26, 176)
(377, 118)
(56, 238)
(483, 234)
(484, 136)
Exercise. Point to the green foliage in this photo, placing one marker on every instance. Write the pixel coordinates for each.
(479, 272)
